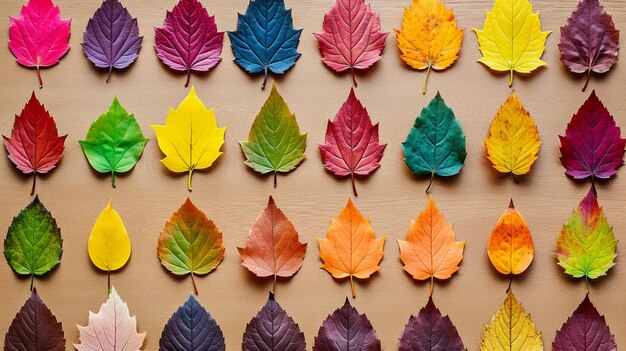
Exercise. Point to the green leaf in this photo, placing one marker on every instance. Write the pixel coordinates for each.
(114, 141)
(275, 143)
(435, 144)
(33, 244)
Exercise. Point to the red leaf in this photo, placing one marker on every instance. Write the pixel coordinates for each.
(351, 38)
(39, 37)
(35, 145)
(592, 145)
(351, 145)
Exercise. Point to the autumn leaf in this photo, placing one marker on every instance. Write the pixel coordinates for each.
(429, 38)
(351, 146)
(511, 329)
(584, 330)
(189, 39)
(35, 145)
(346, 330)
(592, 145)
(430, 250)
(39, 36)
(430, 331)
(191, 328)
(513, 141)
(351, 37)
(190, 243)
(350, 248)
(511, 39)
(436, 143)
(33, 245)
(190, 138)
(589, 40)
(586, 245)
(111, 329)
(114, 141)
(273, 248)
(273, 329)
(510, 246)
(274, 143)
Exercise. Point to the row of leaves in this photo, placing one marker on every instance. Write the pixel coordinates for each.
(265, 40)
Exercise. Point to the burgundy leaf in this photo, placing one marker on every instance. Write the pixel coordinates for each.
(346, 330)
(589, 40)
(273, 329)
(592, 145)
(584, 330)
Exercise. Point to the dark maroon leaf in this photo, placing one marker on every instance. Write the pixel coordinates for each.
(584, 330)
(346, 330)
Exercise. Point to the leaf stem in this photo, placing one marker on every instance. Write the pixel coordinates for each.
(353, 185)
(110, 72)
(587, 81)
(510, 283)
(274, 286)
(432, 175)
(426, 80)
(188, 77)
(275, 178)
(193, 282)
(352, 286)
(189, 180)
(264, 79)
(586, 283)
(39, 76)
(109, 282)
(32, 190)
(32, 281)
(511, 79)
(514, 178)
(113, 178)
(432, 286)
(353, 77)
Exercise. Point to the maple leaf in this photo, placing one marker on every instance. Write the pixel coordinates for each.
(272, 247)
(190, 243)
(584, 330)
(586, 245)
(436, 143)
(513, 141)
(589, 40)
(346, 330)
(351, 37)
(350, 248)
(429, 38)
(111, 329)
(190, 138)
(273, 329)
(511, 39)
(39, 36)
(430, 250)
(191, 328)
(35, 145)
(510, 247)
(511, 329)
(112, 39)
(430, 331)
(592, 145)
(265, 39)
(274, 143)
(189, 39)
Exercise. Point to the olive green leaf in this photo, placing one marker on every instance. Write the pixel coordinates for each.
(33, 244)
(275, 143)
(114, 141)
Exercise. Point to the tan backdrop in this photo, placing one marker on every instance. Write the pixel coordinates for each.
(233, 195)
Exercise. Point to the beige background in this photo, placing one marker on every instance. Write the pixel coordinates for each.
(233, 195)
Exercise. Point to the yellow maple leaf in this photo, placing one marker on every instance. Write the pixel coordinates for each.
(513, 140)
(429, 38)
(511, 329)
(190, 138)
(511, 39)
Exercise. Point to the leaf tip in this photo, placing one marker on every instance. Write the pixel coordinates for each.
(511, 204)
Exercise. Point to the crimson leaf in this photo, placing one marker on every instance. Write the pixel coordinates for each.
(584, 330)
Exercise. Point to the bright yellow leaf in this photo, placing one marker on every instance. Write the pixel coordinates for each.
(513, 140)
(109, 245)
(511, 39)
(511, 329)
(429, 38)
(190, 138)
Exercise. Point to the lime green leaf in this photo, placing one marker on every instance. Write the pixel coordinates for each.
(114, 141)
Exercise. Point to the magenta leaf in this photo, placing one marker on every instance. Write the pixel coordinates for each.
(592, 145)
(189, 40)
(273, 329)
(346, 330)
(584, 330)
(589, 40)
(112, 39)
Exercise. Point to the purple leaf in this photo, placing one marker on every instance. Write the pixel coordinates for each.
(589, 40)
(112, 39)
(273, 329)
(430, 331)
(189, 40)
(584, 330)
(346, 330)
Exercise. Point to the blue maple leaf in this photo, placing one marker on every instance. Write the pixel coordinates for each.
(265, 39)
